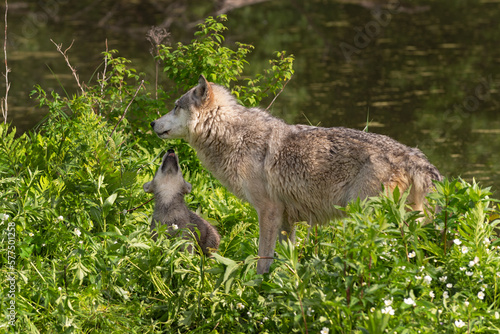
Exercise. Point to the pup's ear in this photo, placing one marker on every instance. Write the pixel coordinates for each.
(187, 187)
(148, 187)
(203, 92)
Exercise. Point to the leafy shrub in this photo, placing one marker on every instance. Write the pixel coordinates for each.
(206, 55)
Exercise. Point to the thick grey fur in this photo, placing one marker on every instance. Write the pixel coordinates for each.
(169, 188)
(291, 173)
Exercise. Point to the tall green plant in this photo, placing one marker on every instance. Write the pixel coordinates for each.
(207, 55)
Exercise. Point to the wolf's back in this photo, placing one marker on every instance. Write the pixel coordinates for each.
(315, 168)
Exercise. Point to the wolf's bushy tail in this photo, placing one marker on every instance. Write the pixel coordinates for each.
(422, 174)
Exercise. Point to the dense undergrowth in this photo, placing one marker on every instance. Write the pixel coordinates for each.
(77, 256)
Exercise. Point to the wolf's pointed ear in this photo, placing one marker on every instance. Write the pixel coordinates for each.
(202, 80)
(148, 187)
(203, 92)
(187, 187)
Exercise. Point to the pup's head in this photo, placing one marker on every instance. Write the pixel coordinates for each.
(168, 179)
(175, 123)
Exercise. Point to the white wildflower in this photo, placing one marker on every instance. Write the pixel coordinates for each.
(469, 273)
(77, 232)
(480, 295)
(310, 311)
(431, 294)
(466, 303)
(240, 306)
(409, 301)
(486, 241)
(472, 263)
(457, 242)
(418, 277)
(427, 279)
(412, 255)
(459, 323)
(324, 330)
(449, 285)
(446, 295)
(497, 315)
(61, 218)
(443, 278)
(464, 249)
(388, 310)
(388, 302)
(31, 234)
(175, 227)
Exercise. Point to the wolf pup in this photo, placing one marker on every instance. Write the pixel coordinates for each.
(291, 173)
(169, 188)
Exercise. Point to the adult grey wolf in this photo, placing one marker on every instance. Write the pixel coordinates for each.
(290, 173)
(169, 188)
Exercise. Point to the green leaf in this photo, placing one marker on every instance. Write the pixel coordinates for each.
(108, 203)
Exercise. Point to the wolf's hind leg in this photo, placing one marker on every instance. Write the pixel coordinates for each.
(287, 229)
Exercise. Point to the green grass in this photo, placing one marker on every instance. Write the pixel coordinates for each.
(75, 260)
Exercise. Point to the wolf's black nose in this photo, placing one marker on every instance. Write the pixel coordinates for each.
(170, 151)
(152, 124)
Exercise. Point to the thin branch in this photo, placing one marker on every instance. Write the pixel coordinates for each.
(125, 112)
(139, 206)
(283, 88)
(73, 70)
(4, 102)
(103, 79)
(156, 36)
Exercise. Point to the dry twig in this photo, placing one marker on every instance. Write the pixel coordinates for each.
(73, 70)
(275, 97)
(4, 103)
(103, 80)
(156, 36)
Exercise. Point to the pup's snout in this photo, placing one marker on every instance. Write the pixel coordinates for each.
(152, 124)
(170, 151)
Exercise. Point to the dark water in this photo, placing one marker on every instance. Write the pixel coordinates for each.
(425, 73)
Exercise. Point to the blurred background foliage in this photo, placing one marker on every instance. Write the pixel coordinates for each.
(423, 72)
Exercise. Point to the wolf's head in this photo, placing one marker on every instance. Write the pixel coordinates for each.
(175, 124)
(168, 180)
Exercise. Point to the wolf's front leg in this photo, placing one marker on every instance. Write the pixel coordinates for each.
(270, 218)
